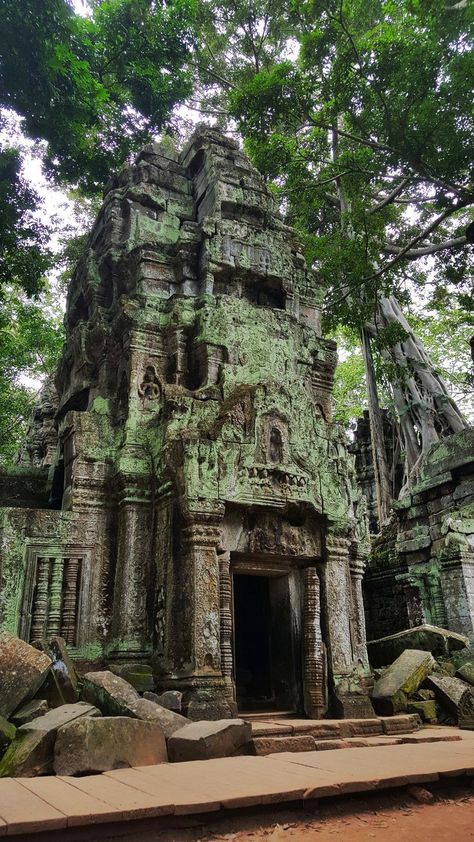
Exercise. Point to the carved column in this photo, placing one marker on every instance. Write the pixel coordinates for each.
(314, 655)
(131, 625)
(338, 603)
(200, 538)
(207, 689)
(40, 599)
(225, 594)
(69, 618)
(358, 563)
(56, 595)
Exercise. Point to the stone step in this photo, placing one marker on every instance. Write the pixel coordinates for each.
(262, 746)
(335, 729)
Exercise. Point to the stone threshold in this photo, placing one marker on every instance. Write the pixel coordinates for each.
(327, 729)
(56, 807)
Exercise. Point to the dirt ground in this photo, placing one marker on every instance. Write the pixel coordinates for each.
(392, 817)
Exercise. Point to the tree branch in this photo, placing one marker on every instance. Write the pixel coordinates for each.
(391, 196)
(412, 254)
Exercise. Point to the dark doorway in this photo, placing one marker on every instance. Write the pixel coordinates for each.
(253, 673)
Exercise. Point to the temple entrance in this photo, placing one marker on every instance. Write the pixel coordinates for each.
(265, 649)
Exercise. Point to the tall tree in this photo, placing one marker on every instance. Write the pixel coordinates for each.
(367, 136)
(97, 87)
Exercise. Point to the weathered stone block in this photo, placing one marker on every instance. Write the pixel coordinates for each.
(112, 694)
(426, 710)
(7, 734)
(169, 721)
(455, 696)
(438, 641)
(32, 751)
(203, 740)
(34, 709)
(116, 697)
(22, 672)
(466, 672)
(170, 699)
(140, 676)
(88, 746)
(400, 679)
(402, 724)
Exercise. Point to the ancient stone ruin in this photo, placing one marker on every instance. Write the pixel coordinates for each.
(183, 498)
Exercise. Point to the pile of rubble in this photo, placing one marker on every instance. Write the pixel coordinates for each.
(53, 722)
(430, 672)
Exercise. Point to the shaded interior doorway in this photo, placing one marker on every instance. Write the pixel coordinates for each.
(252, 642)
(266, 643)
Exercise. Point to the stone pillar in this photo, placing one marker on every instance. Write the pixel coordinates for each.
(225, 593)
(457, 582)
(357, 566)
(350, 679)
(314, 654)
(338, 604)
(206, 697)
(131, 634)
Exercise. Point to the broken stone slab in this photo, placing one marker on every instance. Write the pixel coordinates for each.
(112, 694)
(30, 711)
(169, 721)
(466, 672)
(170, 699)
(440, 642)
(32, 751)
(89, 746)
(426, 709)
(22, 672)
(403, 677)
(62, 684)
(140, 676)
(455, 696)
(116, 697)
(7, 734)
(204, 740)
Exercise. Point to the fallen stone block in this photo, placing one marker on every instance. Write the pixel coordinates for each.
(32, 751)
(62, 684)
(140, 676)
(466, 672)
(116, 697)
(440, 642)
(204, 740)
(169, 721)
(22, 672)
(89, 746)
(30, 711)
(455, 696)
(7, 734)
(112, 694)
(170, 699)
(401, 678)
(426, 710)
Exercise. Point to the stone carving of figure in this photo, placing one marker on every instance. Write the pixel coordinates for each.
(275, 449)
(149, 388)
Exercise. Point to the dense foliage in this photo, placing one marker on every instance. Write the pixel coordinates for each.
(95, 87)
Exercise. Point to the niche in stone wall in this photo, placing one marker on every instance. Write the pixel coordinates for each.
(273, 439)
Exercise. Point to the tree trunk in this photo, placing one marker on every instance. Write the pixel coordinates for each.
(426, 411)
(379, 455)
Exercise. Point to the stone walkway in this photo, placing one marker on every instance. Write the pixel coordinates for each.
(35, 805)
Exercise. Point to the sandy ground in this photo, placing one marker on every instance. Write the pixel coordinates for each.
(392, 817)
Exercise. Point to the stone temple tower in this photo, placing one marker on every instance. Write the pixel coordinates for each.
(202, 513)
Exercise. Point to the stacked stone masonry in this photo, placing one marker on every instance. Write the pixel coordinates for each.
(192, 466)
